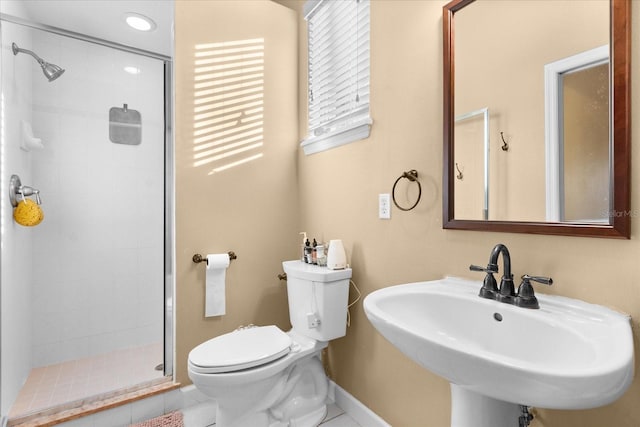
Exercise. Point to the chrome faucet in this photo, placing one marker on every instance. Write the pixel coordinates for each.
(506, 292)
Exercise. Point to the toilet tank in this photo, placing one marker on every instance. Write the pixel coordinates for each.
(317, 299)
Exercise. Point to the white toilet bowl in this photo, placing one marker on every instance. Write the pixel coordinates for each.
(262, 377)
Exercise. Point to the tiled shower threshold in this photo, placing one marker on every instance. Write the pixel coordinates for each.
(68, 390)
(73, 410)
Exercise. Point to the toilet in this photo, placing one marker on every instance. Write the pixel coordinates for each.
(261, 376)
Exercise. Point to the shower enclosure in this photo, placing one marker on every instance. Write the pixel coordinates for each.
(85, 295)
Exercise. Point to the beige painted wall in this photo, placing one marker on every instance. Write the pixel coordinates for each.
(252, 208)
(406, 97)
(220, 212)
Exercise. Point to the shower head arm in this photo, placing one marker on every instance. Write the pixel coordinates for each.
(51, 71)
(16, 50)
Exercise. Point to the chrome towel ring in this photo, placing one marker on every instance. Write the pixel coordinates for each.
(412, 176)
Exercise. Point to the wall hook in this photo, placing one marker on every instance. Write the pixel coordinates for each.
(505, 146)
(459, 175)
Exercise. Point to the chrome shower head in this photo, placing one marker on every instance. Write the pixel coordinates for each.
(51, 71)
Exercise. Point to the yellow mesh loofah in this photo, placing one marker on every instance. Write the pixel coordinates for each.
(28, 213)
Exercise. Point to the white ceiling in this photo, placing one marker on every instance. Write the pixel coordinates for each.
(103, 19)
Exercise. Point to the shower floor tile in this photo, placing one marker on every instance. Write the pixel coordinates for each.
(67, 382)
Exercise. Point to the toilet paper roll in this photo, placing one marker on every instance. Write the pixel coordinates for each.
(215, 293)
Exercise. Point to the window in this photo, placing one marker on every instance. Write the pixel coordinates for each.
(338, 96)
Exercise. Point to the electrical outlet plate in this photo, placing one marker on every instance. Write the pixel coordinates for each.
(384, 206)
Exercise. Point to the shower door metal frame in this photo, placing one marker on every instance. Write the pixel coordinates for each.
(169, 165)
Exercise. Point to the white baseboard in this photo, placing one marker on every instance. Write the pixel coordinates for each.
(354, 408)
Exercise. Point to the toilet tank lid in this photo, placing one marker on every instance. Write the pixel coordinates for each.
(315, 273)
(241, 349)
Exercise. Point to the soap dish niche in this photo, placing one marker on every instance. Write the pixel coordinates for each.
(28, 142)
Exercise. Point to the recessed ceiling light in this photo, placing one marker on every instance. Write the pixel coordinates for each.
(132, 70)
(140, 22)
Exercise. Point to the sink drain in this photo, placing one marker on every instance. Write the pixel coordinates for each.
(497, 316)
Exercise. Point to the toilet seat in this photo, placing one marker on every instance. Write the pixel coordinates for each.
(241, 349)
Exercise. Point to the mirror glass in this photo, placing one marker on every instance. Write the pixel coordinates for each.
(529, 129)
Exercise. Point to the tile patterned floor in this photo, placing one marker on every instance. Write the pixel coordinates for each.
(67, 382)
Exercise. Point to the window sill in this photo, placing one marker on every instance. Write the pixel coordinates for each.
(316, 144)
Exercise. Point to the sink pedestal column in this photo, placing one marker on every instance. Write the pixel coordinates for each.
(469, 409)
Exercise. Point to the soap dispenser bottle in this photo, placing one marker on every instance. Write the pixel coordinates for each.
(320, 255)
(307, 252)
(302, 245)
(314, 253)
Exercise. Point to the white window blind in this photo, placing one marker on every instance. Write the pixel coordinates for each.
(338, 33)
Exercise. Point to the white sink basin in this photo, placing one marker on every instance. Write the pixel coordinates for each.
(566, 355)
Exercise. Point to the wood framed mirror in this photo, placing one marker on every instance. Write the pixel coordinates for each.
(514, 179)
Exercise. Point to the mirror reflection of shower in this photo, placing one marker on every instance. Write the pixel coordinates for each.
(51, 71)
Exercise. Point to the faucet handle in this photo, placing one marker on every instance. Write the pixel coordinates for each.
(489, 288)
(491, 268)
(538, 279)
(526, 297)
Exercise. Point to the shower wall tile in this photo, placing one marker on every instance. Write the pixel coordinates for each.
(17, 242)
(98, 285)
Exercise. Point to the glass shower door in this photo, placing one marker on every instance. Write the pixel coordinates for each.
(83, 292)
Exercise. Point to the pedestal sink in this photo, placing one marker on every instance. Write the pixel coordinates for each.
(567, 354)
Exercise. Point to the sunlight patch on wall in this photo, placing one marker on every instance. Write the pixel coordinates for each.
(228, 108)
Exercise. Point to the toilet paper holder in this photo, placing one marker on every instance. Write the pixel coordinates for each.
(197, 258)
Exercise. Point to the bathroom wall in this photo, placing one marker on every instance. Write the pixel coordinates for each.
(253, 209)
(15, 261)
(227, 199)
(406, 107)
